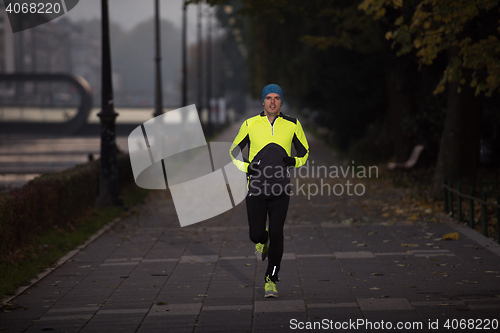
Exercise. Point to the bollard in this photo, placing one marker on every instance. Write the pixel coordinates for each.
(471, 208)
(459, 203)
(484, 226)
(445, 192)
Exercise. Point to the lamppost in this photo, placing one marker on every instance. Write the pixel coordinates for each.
(108, 181)
(158, 86)
(200, 63)
(222, 76)
(184, 56)
(209, 72)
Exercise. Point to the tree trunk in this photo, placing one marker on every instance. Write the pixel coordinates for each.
(401, 105)
(459, 147)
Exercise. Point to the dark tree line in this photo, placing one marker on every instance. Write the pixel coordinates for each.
(384, 75)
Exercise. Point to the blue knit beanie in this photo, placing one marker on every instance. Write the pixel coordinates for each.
(272, 88)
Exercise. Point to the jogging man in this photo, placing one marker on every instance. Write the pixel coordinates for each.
(269, 136)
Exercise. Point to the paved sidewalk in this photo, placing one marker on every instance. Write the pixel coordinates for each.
(346, 262)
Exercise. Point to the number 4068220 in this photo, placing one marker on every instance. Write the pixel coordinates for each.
(33, 8)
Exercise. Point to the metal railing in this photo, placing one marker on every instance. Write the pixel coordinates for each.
(448, 192)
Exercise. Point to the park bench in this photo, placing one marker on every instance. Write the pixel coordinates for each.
(410, 163)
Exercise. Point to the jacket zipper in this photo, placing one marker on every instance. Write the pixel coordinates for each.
(272, 126)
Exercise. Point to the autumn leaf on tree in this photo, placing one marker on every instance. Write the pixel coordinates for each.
(471, 26)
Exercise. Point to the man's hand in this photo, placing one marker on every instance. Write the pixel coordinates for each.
(289, 161)
(253, 168)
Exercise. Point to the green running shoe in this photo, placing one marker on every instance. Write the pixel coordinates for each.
(270, 288)
(263, 248)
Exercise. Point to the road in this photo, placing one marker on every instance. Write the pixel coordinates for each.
(25, 156)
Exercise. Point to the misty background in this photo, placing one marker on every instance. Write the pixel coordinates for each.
(132, 45)
(72, 44)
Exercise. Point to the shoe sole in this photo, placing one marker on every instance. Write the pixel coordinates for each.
(271, 296)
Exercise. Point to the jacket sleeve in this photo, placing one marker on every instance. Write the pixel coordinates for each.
(301, 145)
(241, 140)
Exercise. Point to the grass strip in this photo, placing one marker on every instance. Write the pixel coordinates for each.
(46, 248)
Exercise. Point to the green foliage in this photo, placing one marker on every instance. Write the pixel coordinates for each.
(332, 60)
(353, 29)
(470, 26)
(46, 248)
(51, 201)
(327, 56)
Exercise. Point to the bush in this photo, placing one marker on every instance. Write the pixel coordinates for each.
(55, 200)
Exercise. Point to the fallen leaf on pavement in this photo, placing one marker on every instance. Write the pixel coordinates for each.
(451, 236)
(470, 282)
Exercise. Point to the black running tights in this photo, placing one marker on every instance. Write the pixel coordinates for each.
(258, 208)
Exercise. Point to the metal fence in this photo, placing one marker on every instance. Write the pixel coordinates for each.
(450, 188)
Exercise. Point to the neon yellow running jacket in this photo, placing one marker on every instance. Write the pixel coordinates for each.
(268, 143)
